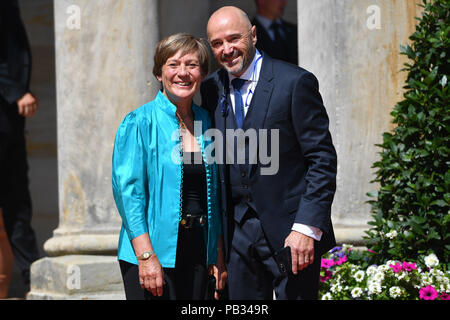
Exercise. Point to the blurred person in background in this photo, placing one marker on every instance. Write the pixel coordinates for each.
(276, 37)
(16, 104)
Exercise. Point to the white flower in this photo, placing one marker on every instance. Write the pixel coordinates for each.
(425, 280)
(391, 234)
(371, 270)
(336, 288)
(359, 276)
(327, 296)
(356, 292)
(400, 275)
(378, 277)
(438, 274)
(374, 287)
(395, 292)
(431, 260)
(383, 268)
(346, 246)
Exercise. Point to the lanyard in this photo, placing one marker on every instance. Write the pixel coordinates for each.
(253, 82)
(224, 106)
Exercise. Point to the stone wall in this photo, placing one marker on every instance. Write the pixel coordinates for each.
(353, 47)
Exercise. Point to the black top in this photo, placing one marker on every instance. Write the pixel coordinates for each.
(15, 62)
(194, 184)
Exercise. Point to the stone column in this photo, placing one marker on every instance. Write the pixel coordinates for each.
(104, 60)
(353, 48)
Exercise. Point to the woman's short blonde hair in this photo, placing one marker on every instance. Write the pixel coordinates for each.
(185, 43)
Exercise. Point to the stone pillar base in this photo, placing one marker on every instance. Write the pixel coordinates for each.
(350, 235)
(82, 244)
(76, 277)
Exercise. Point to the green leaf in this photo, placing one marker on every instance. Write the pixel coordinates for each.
(440, 203)
(412, 170)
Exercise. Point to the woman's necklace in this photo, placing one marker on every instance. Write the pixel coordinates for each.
(182, 126)
(183, 130)
(180, 121)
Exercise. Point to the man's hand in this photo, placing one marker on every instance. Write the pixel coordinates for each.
(302, 250)
(219, 269)
(27, 105)
(220, 273)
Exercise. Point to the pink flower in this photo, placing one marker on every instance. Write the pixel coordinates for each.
(327, 276)
(428, 293)
(326, 263)
(341, 260)
(371, 251)
(396, 267)
(445, 296)
(409, 266)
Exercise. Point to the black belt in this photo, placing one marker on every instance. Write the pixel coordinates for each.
(189, 221)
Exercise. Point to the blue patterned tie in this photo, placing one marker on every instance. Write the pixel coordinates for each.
(238, 101)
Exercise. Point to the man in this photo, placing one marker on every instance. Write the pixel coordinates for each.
(263, 213)
(16, 103)
(276, 37)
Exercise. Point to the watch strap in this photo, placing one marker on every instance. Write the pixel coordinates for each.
(145, 255)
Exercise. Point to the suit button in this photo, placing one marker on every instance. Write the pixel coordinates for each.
(282, 268)
(243, 173)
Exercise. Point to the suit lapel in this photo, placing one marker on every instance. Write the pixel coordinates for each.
(259, 105)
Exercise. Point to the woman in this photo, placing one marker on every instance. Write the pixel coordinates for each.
(171, 231)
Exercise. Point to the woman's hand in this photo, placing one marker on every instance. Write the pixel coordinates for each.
(151, 275)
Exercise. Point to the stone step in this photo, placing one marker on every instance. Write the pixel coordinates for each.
(76, 277)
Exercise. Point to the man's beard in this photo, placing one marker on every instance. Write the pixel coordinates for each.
(243, 63)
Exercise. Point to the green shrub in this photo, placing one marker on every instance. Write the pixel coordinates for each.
(411, 207)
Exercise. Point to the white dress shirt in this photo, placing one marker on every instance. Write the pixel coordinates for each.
(247, 91)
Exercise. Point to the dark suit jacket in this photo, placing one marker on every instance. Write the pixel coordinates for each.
(15, 59)
(286, 98)
(266, 44)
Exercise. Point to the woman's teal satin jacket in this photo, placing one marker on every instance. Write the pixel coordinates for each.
(146, 180)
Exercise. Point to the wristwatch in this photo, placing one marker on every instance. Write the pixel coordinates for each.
(145, 255)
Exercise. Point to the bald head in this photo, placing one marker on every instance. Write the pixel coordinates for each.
(232, 39)
(229, 15)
